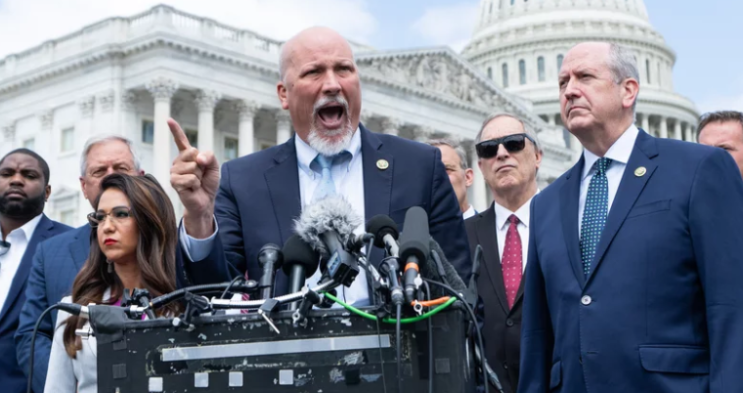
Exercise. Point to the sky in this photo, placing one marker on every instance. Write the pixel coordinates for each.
(705, 34)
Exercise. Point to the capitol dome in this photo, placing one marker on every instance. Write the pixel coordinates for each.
(520, 45)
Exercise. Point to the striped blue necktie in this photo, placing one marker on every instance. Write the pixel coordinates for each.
(594, 213)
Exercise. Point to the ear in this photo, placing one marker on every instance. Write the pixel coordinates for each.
(83, 188)
(630, 90)
(47, 192)
(141, 172)
(539, 158)
(281, 91)
(469, 176)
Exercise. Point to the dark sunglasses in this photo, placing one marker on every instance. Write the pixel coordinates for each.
(512, 143)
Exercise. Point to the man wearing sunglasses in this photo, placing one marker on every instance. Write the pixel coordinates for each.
(24, 190)
(509, 156)
(633, 279)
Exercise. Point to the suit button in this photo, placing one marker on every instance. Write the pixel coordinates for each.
(505, 366)
(509, 322)
(586, 300)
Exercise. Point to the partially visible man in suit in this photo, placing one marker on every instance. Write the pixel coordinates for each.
(460, 174)
(260, 195)
(24, 190)
(58, 260)
(634, 276)
(723, 129)
(509, 157)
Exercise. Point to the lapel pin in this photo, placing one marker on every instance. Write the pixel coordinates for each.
(640, 171)
(383, 164)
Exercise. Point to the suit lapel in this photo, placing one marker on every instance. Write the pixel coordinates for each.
(488, 239)
(42, 232)
(630, 188)
(569, 199)
(282, 180)
(377, 182)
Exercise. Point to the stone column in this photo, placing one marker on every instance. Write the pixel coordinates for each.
(105, 119)
(677, 129)
(687, 132)
(206, 100)
(247, 110)
(423, 133)
(391, 126)
(365, 117)
(127, 115)
(84, 126)
(8, 138)
(551, 120)
(162, 90)
(663, 127)
(646, 122)
(479, 188)
(283, 126)
(43, 141)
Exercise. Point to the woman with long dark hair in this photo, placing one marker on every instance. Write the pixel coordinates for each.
(133, 245)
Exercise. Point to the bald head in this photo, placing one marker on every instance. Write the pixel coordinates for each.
(309, 38)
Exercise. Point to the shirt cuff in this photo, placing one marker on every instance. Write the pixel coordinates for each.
(197, 249)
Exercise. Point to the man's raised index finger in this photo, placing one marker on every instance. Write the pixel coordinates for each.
(181, 140)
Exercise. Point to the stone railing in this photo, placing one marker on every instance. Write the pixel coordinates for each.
(118, 30)
(520, 7)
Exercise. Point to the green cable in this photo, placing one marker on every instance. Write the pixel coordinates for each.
(391, 320)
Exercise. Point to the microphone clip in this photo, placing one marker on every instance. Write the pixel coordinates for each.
(309, 298)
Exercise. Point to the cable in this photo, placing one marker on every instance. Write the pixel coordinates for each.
(479, 335)
(227, 290)
(430, 342)
(399, 349)
(429, 303)
(390, 320)
(33, 344)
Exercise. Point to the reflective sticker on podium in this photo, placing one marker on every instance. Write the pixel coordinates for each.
(236, 379)
(201, 380)
(352, 343)
(155, 384)
(286, 377)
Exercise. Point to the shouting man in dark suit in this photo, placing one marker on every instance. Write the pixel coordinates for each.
(633, 280)
(509, 156)
(259, 196)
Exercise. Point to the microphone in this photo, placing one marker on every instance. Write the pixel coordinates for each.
(327, 227)
(300, 262)
(270, 259)
(385, 233)
(414, 248)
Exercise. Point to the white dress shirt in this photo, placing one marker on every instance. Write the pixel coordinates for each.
(469, 213)
(619, 153)
(502, 224)
(348, 177)
(9, 262)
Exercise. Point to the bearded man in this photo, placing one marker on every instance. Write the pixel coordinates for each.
(331, 154)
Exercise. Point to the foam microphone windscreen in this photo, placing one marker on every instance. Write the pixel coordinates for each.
(381, 225)
(332, 214)
(298, 252)
(414, 237)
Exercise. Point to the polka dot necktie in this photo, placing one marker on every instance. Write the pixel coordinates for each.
(594, 213)
(511, 263)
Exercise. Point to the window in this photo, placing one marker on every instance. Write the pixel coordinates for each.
(67, 217)
(490, 72)
(505, 75)
(148, 131)
(193, 137)
(540, 68)
(522, 72)
(647, 69)
(68, 139)
(30, 144)
(230, 148)
(559, 62)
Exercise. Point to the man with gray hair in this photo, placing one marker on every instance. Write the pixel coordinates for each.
(509, 157)
(723, 129)
(460, 174)
(58, 260)
(633, 278)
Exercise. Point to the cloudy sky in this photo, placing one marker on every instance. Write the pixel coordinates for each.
(704, 34)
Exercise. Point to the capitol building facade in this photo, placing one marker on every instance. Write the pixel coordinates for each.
(127, 75)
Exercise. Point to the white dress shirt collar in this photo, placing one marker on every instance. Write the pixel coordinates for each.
(620, 151)
(469, 213)
(502, 214)
(27, 229)
(306, 154)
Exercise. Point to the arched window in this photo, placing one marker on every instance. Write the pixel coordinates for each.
(490, 72)
(522, 72)
(540, 68)
(647, 69)
(559, 62)
(505, 74)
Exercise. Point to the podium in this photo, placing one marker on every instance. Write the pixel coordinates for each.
(338, 351)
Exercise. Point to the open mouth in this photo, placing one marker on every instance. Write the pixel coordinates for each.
(331, 116)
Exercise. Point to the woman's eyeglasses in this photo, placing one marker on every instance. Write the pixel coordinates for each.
(118, 214)
(513, 143)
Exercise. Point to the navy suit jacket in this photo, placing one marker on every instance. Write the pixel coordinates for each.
(259, 198)
(12, 377)
(662, 309)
